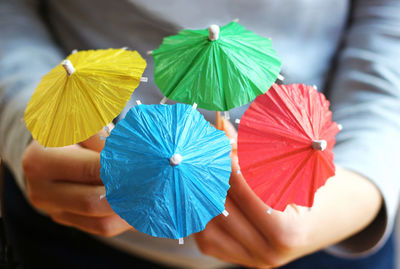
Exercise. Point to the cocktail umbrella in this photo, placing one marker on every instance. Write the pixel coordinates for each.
(82, 94)
(166, 170)
(219, 68)
(285, 142)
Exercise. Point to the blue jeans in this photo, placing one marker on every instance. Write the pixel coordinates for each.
(37, 242)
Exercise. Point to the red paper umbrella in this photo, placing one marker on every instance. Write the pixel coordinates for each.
(285, 144)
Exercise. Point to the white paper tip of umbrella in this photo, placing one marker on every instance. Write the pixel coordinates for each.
(149, 52)
(280, 77)
(315, 87)
(237, 121)
(213, 32)
(144, 79)
(180, 241)
(226, 115)
(163, 101)
(68, 67)
(74, 51)
(102, 196)
(225, 213)
(269, 211)
(232, 140)
(238, 172)
(194, 105)
(236, 20)
(319, 145)
(175, 159)
(102, 137)
(124, 48)
(340, 127)
(138, 102)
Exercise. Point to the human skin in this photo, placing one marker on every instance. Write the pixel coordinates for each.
(65, 184)
(251, 237)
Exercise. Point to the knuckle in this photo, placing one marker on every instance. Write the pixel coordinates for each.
(31, 163)
(27, 162)
(34, 198)
(205, 248)
(271, 261)
(91, 170)
(89, 205)
(289, 239)
(106, 228)
(204, 243)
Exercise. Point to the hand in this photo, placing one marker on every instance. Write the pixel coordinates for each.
(251, 237)
(65, 183)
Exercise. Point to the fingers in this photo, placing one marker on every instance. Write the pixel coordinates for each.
(54, 196)
(253, 207)
(245, 232)
(104, 226)
(97, 141)
(215, 241)
(276, 226)
(71, 163)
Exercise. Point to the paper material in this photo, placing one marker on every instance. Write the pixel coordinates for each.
(218, 75)
(67, 109)
(275, 140)
(142, 186)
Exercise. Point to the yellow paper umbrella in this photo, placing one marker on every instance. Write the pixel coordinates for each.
(82, 94)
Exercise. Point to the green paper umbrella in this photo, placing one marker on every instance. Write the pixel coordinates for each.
(217, 68)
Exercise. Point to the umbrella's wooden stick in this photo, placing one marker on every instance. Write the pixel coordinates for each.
(218, 121)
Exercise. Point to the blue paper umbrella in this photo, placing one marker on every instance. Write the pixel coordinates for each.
(166, 170)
